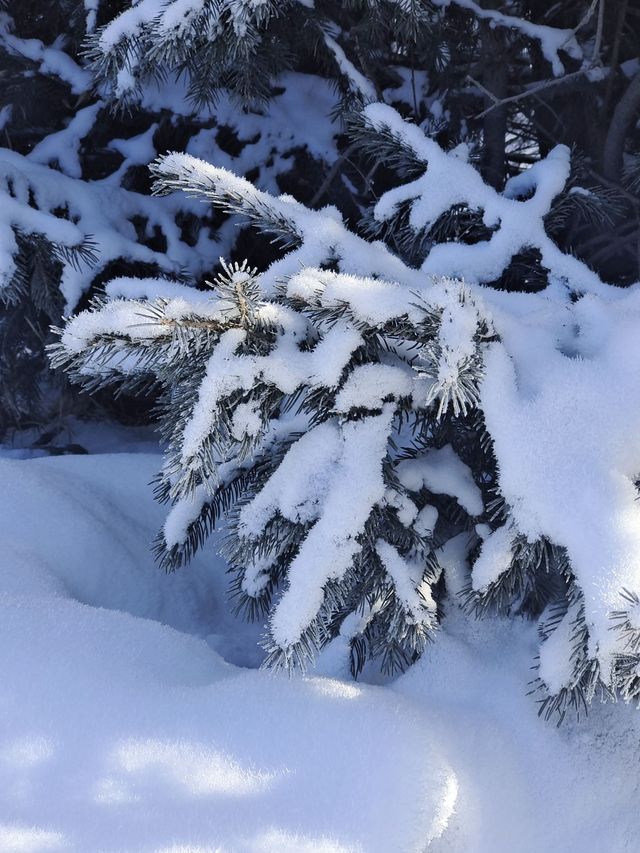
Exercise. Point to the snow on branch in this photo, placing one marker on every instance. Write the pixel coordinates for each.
(150, 36)
(312, 237)
(269, 423)
(516, 215)
(72, 214)
(343, 411)
(91, 12)
(50, 60)
(358, 83)
(551, 39)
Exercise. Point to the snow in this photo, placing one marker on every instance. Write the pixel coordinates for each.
(117, 316)
(83, 504)
(321, 233)
(404, 580)
(99, 211)
(50, 60)
(356, 485)
(357, 81)
(219, 380)
(299, 485)
(518, 224)
(182, 514)
(523, 784)
(128, 44)
(443, 473)
(137, 149)
(246, 421)
(549, 361)
(569, 451)
(495, 557)
(556, 669)
(426, 520)
(119, 732)
(180, 15)
(551, 39)
(91, 9)
(299, 115)
(63, 147)
(286, 368)
(371, 300)
(127, 24)
(370, 384)
(456, 347)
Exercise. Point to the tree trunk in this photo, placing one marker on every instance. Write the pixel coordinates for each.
(621, 121)
(494, 79)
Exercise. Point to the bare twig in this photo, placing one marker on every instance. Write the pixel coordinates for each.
(332, 173)
(595, 56)
(530, 92)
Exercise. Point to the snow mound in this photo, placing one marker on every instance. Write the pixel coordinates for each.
(95, 520)
(523, 785)
(120, 733)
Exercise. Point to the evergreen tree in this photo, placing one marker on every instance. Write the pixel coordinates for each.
(348, 407)
(347, 413)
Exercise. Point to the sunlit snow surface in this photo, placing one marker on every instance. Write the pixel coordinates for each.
(123, 729)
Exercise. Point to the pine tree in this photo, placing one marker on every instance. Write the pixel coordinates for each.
(338, 410)
(347, 409)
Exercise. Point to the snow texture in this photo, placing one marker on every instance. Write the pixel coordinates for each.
(569, 451)
(346, 472)
(119, 732)
(406, 580)
(494, 558)
(443, 473)
(370, 384)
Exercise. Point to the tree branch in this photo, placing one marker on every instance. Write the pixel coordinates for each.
(621, 120)
(535, 89)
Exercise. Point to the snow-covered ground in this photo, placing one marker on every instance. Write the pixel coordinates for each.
(132, 717)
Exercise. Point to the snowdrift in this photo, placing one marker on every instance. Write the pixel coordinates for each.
(123, 729)
(118, 733)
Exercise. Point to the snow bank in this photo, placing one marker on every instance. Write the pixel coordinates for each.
(119, 733)
(95, 521)
(522, 785)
